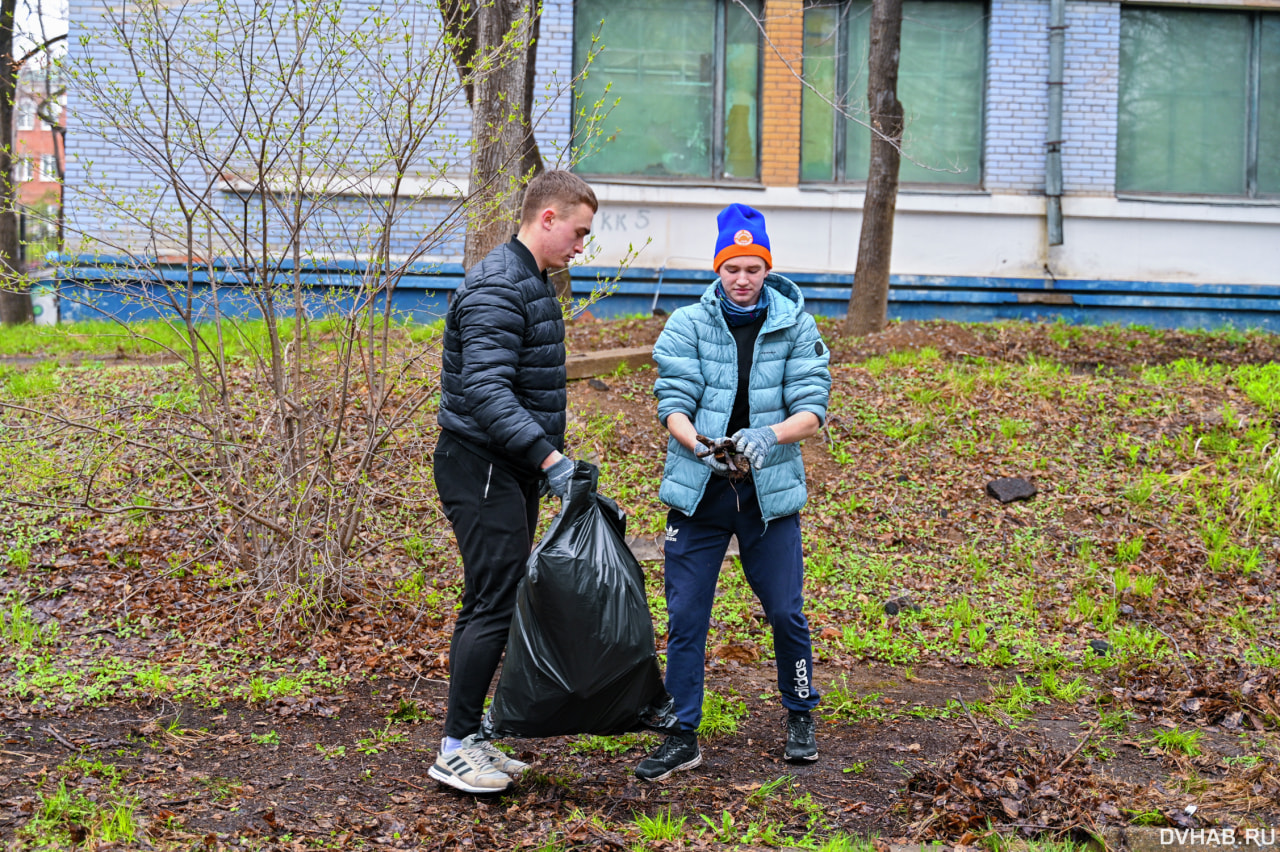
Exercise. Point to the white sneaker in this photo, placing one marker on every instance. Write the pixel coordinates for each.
(469, 770)
(502, 761)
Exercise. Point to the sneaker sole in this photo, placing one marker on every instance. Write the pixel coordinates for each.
(802, 758)
(697, 761)
(458, 784)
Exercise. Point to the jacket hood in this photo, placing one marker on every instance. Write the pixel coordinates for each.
(781, 311)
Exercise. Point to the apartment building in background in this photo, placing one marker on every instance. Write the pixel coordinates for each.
(37, 155)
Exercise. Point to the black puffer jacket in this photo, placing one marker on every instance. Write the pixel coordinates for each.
(503, 379)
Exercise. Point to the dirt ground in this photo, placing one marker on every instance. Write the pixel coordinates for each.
(216, 777)
(200, 768)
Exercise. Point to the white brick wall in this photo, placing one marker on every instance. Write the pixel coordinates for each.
(1090, 98)
(116, 188)
(1018, 102)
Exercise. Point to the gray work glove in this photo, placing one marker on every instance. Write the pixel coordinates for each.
(559, 475)
(711, 461)
(755, 444)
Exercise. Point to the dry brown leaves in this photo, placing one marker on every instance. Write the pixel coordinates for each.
(997, 785)
(1235, 699)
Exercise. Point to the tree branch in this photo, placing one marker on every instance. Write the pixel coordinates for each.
(38, 50)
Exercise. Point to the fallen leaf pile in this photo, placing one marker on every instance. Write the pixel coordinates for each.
(1034, 789)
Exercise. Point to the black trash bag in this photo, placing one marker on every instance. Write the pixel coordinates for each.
(580, 653)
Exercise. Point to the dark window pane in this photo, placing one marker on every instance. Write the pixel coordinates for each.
(940, 81)
(741, 90)
(817, 118)
(857, 144)
(658, 60)
(1183, 101)
(1269, 108)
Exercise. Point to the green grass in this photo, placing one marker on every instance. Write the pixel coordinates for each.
(18, 627)
(1017, 699)
(154, 337)
(92, 337)
(612, 746)
(1069, 691)
(65, 818)
(845, 843)
(22, 385)
(380, 740)
(1178, 741)
(721, 714)
(662, 826)
(844, 703)
(45, 675)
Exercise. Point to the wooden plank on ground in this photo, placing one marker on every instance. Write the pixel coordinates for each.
(584, 365)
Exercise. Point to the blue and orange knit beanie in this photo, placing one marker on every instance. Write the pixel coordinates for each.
(741, 234)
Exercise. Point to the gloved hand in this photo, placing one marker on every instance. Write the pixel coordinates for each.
(559, 475)
(755, 444)
(711, 461)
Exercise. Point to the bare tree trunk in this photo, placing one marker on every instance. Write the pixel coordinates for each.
(15, 302)
(506, 152)
(869, 304)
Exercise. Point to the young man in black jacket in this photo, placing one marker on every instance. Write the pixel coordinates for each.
(502, 422)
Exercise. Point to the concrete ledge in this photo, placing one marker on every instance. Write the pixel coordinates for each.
(584, 365)
(1132, 838)
(1147, 839)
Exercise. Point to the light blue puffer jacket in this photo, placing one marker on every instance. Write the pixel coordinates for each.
(698, 375)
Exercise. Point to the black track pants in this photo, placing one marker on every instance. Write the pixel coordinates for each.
(494, 515)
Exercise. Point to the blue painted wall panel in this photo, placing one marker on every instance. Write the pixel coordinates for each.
(96, 289)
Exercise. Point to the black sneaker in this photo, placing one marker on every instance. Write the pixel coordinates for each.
(802, 742)
(680, 751)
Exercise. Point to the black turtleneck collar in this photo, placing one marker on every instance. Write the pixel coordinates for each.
(522, 251)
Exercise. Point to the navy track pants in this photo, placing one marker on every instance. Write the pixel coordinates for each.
(774, 566)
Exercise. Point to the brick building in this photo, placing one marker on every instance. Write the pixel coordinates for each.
(37, 150)
(1170, 150)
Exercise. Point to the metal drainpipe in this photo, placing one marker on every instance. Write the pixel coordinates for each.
(1053, 145)
(657, 290)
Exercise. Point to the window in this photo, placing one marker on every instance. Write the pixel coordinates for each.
(53, 110)
(26, 114)
(48, 167)
(22, 170)
(686, 78)
(940, 85)
(1199, 102)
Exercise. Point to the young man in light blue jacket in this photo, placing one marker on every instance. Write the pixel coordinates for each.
(747, 362)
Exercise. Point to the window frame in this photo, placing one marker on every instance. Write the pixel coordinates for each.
(840, 129)
(719, 53)
(26, 118)
(49, 175)
(23, 170)
(1253, 86)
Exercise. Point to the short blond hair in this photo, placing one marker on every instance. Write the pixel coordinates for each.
(556, 188)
